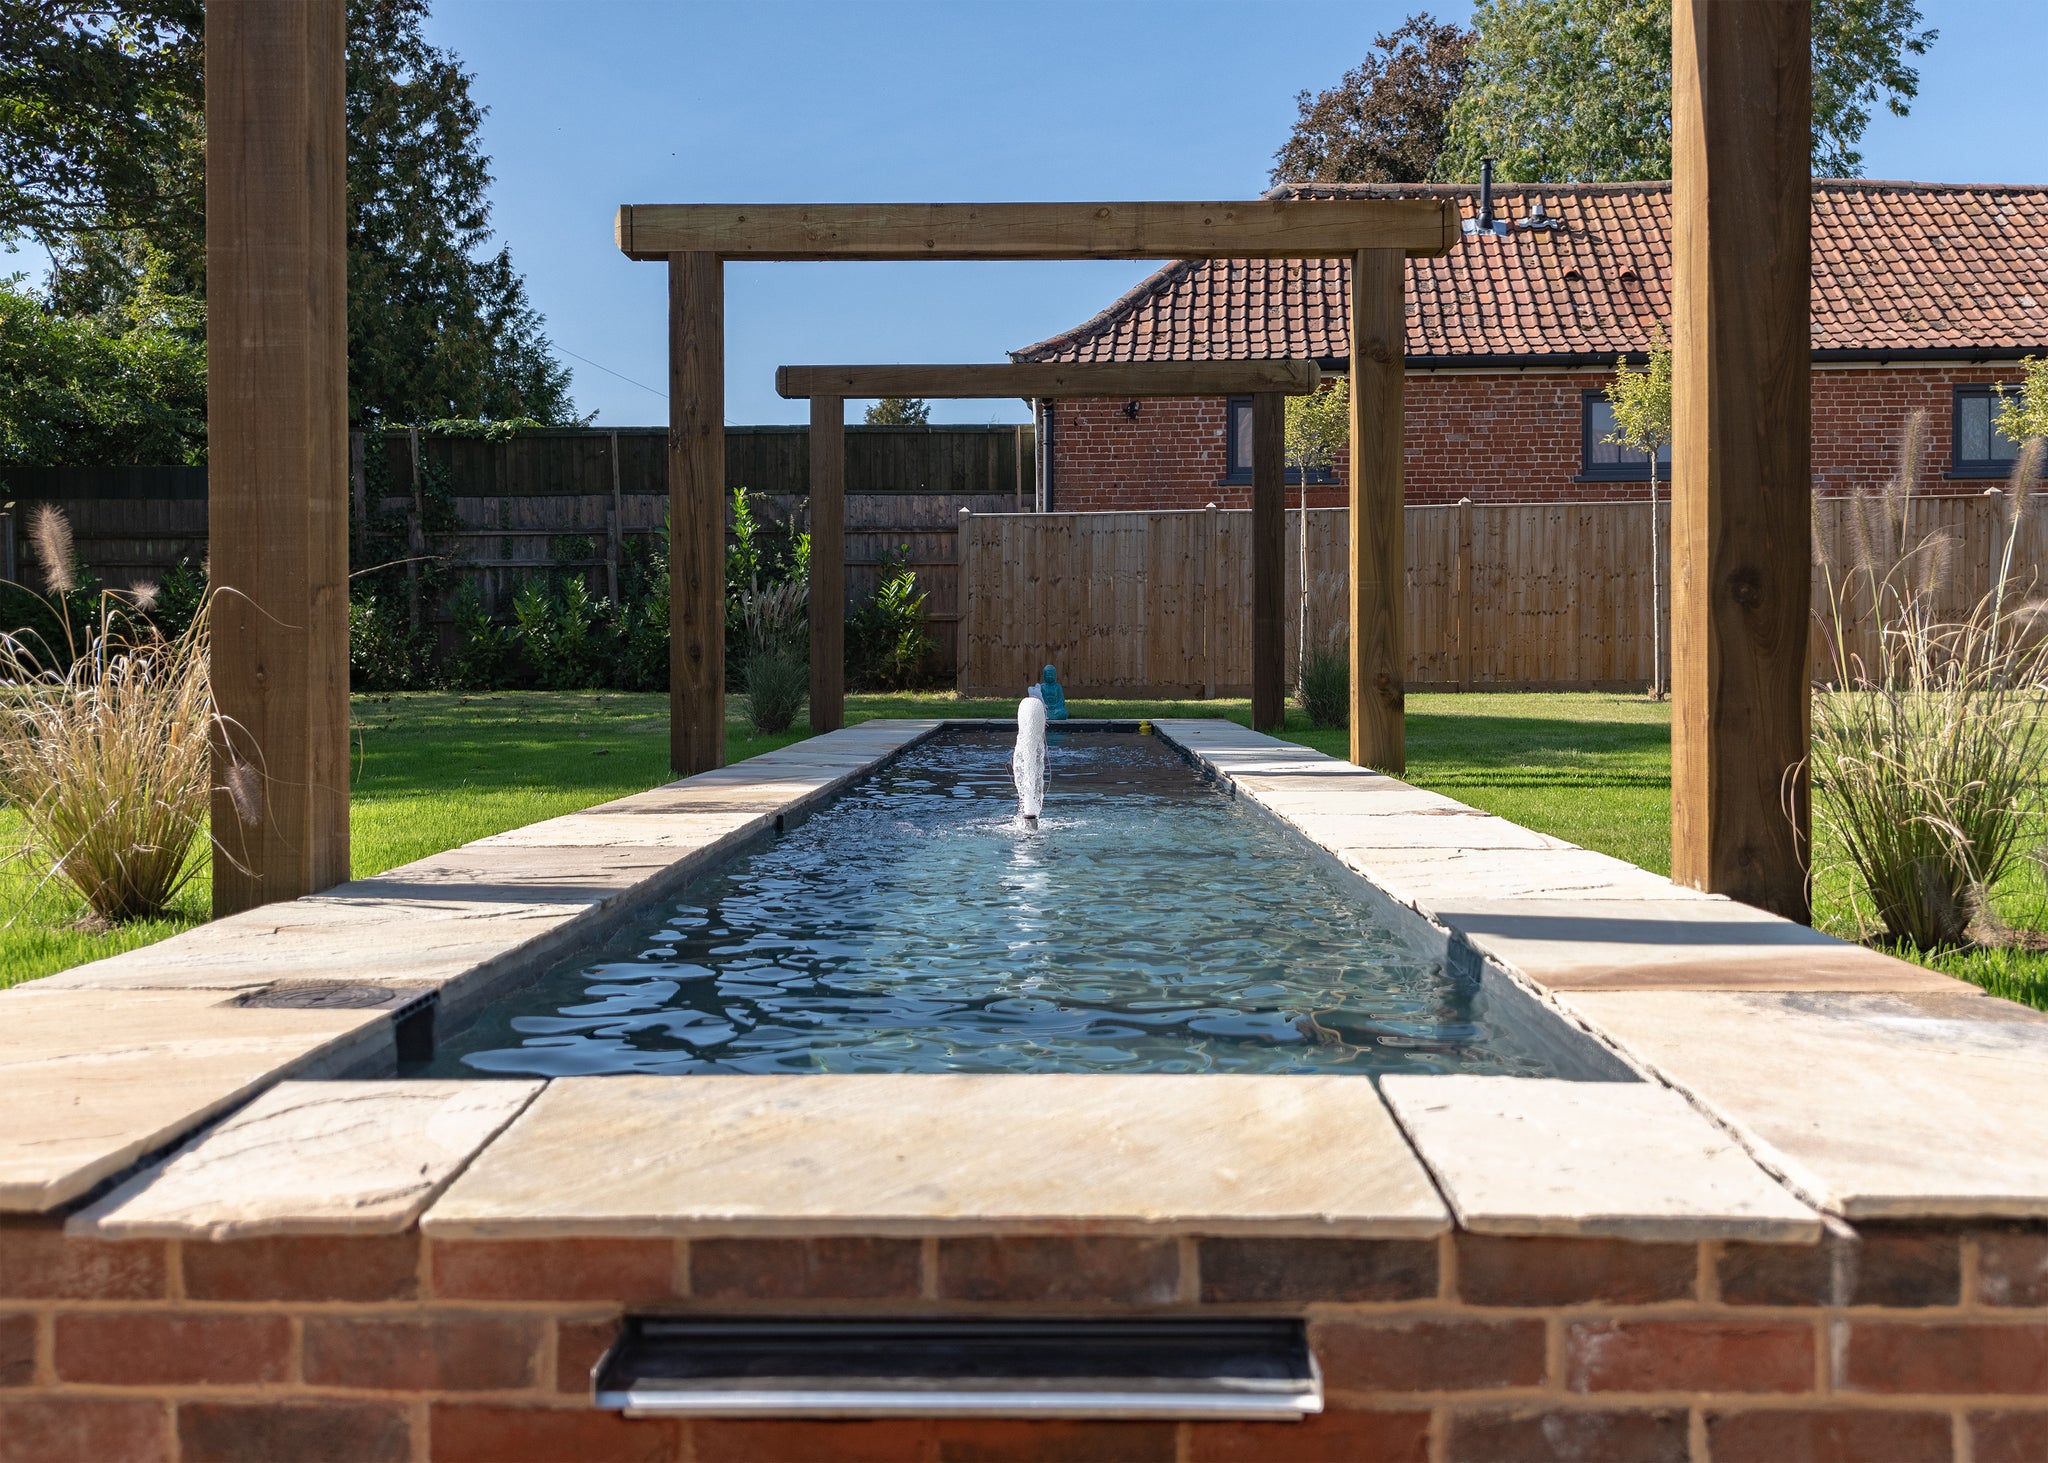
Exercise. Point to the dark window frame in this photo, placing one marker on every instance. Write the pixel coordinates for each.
(1612, 472)
(1233, 474)
(1998, 468)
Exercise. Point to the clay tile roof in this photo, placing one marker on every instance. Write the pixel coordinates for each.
(1898, 269)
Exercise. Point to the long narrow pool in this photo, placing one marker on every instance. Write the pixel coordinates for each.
(1148, 923)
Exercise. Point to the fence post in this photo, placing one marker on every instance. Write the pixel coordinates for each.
(1214, 587)
(613, 529)
(1017, 463)
(1269, 560)
(963, 579)
(359, 492)
(415, 540)
(1461, 596)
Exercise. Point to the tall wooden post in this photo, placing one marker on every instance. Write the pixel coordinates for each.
(1379, 554)
(828, 563)
(277, 427)
(1741, 417)
(696, 500)
(1269, 560)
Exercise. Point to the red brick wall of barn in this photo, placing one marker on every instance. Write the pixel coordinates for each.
(1501, 437)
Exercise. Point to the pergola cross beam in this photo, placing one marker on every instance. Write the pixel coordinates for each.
(1377, 236)
(828, 387)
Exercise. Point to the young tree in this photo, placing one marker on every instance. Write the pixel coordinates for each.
(898, 411)
(1580, 90)
(1642, 420)
(1318, 426)
(2024, 414)
(1385, 121)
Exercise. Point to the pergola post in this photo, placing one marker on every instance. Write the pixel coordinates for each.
(1379, 641)
(828, 563)
(1741, 417)
(277, 429)
(1269, 560)
(696, 501)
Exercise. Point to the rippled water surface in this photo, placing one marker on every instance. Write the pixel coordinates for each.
(1148, 923)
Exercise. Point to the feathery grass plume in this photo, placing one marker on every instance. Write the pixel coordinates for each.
(143, 592)
(50, 531)
(107, 759)
(1898, 488)
(245, 791)
(1928, 751)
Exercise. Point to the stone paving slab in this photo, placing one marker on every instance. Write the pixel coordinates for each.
(916, 1154)
(1426, 878)
(1623, 1160)
(97, 1079)
(1871, 1106)
(313, 1158)
(459, 923)
(1659, 943)
(1560, 916)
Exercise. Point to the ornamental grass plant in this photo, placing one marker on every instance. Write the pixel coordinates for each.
(1928, 740)
(105, 743)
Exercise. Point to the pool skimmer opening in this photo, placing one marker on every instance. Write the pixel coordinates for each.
(963, 1367)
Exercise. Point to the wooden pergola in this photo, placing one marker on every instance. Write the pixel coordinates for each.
(277, 423)
(695, 240)
(828, 388)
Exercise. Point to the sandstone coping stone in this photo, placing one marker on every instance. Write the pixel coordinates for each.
(918, 1153)
(1621, 1160)
(151, 1045)
(1558, 916)
(97, 1079)
(1870, 1106)
(1653, 942)
(313, 1158)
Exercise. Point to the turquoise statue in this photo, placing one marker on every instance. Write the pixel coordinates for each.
(1054, 698)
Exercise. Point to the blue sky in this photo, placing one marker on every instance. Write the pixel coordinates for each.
(604, 102)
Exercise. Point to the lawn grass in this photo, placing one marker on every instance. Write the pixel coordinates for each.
(436, 770)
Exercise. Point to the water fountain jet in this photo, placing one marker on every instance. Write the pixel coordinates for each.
(1027, 762)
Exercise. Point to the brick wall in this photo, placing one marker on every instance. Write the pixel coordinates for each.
(1509, 437)
(1902, 1343)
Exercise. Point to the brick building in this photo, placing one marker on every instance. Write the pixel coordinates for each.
(1924, 295)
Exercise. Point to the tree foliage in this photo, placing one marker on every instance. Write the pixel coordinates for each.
(102, 119)
(1641, 399)
(898, 411)
(439, 326)
(1580, 90)
(2024, 413)
(1318, 426)
(108, 388)
(1386, 121)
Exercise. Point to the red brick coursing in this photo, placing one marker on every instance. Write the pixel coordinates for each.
(1905, 1343)
(1510, 437)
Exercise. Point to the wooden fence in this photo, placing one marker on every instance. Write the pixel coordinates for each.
(1508, 596)
(547, 500)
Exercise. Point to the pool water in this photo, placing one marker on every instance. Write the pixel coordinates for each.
(1148, 923)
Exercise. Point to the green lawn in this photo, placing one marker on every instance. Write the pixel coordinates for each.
(435, 770)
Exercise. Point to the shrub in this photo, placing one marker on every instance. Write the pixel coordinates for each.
(384, 654)
(1928, 741)
(1324, 689)
(887, 638)
(486, 652)
(777, 682)
(107, 756)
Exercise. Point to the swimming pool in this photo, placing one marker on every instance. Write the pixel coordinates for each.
(1149, 922)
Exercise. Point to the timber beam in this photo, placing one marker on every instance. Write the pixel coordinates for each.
(1260, 228)
(1058, 382)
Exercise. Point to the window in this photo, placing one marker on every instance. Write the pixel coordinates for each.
(1610, 460)
(1237, 455)
(1982, 450)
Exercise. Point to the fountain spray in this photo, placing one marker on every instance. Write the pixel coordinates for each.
(1027, 762)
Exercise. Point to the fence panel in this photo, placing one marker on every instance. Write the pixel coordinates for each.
(1500, 596)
